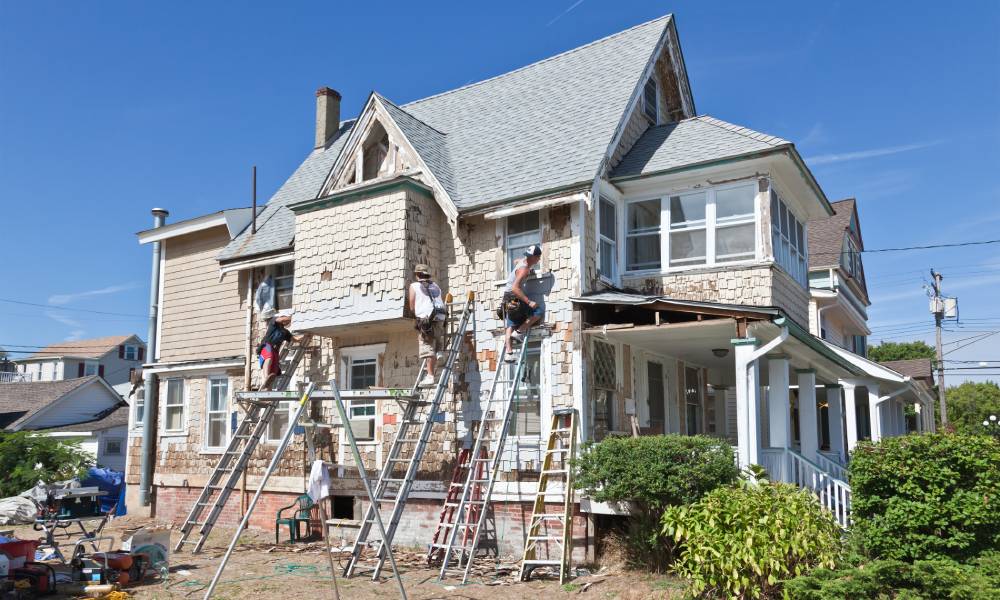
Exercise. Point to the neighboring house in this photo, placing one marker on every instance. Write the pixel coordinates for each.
(838, 302)
(113, 358)
(86, 409)
(674, 269)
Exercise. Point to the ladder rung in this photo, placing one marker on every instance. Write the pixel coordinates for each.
(548, 516)
(547, 538)
(557, 450)
(555, 563)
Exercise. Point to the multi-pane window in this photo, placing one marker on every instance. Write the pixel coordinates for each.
(735, 224)
(523, 230)
(788, 240)
(131, 352)
(284, 283)
(649, 107)
(278, 426)
(526, 416)
(217, 413)
(140, 406)
(90, 368)
(702, 228)
(173, 418)
(692, 399)
(608, 237)
(605, 386)
(642, 236)
(688, 229)
(850, 259)
(362, 375)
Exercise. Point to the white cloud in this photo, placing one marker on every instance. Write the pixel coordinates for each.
(76, 334)
(59, 299)
(68, 321)
(825, 159)
(565, 12)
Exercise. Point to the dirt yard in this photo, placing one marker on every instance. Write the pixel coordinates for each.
(260, 569)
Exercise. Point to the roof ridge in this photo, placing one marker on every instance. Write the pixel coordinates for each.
(408, 113)
(760, 136)
(667, 17)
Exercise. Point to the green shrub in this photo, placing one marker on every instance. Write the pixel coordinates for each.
(27, 458)
(655, 471)
(744, 541)
(922, 580)
(652, 472)
(929, 496)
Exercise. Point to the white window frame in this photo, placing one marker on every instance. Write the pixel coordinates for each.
(347, 357)
(137, 405)
(509, 259)
(288, 407)
(210, 382)
(710, 225)
(792, 259)
(135, 352)
(540, 385)
(183, 405)
(121, 446)
(655, 118)
(605, 202)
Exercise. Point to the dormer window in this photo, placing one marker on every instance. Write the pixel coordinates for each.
(375, 152)
(649, 101)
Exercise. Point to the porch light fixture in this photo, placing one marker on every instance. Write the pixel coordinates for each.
(720, 352)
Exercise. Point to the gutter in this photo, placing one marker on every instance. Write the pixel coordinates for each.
(151, 388)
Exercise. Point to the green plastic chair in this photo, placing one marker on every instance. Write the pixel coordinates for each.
(303, 510)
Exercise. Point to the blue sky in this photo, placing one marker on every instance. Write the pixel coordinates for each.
(108, 109)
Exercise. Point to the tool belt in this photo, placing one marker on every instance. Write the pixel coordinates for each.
(513, 308)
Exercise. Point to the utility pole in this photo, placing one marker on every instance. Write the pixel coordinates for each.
(937, 307)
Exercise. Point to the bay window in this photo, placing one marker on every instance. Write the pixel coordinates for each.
(706, 227)
(608, 237)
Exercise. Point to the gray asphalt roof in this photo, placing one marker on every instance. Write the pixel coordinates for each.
(20, 401)
(429, 143)
(689, 142)
(544, 126)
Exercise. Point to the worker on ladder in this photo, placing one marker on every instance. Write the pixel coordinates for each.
(427, 302)
(269, 348)
(521, 312)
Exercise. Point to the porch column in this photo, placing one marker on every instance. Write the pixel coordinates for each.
(850, 415)
(835, 411)
(808, 423)
(874, 411)
(778, 407)
(747, 401)
(720, 412)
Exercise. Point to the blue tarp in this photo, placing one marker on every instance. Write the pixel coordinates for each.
(112, 482)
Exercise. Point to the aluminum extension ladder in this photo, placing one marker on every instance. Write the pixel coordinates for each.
(233, 462)
(399, 469)
(554, 531)
(473, 504)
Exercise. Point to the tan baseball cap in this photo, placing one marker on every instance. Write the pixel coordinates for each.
(422, 269)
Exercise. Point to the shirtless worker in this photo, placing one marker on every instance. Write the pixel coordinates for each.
(269, 348)
(532, 311)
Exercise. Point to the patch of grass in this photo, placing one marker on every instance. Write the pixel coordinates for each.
(570, 587)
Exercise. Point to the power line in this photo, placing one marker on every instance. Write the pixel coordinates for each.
(908, 248)
(96, 312)
(976, 341)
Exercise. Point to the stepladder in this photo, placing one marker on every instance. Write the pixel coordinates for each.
(452, 498)
(466, 528)
(225, 477)
(401, 464)
(549, 542)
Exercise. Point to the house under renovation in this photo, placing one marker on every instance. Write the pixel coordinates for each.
(676, 273)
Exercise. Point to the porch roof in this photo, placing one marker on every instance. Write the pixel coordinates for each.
(665, 303)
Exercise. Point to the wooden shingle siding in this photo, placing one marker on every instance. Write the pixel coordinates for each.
(203, 317)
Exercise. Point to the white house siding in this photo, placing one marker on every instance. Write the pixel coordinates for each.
(112, 461)
(203, 317)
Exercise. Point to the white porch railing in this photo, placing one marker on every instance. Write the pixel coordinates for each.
(834, 494)
(832, 467)
(7, 377)
(773, 460)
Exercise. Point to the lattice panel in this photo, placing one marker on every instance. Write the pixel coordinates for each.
(604, 365)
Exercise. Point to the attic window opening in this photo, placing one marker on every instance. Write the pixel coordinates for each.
(649, 100)
(375, 153)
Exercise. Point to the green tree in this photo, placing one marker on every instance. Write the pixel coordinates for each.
(972, 403)
(27, 458)
(900, 351)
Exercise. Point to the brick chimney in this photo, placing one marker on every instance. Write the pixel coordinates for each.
(327, 114)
